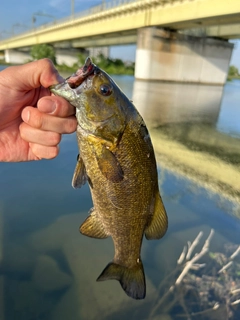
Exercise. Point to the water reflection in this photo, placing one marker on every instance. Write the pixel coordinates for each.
(48, 269)
(183, 121)
(228, 120)
(163, 103)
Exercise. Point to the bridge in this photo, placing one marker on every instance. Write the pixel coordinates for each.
(184, 26)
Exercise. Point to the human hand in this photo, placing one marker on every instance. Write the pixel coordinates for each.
(31, 118)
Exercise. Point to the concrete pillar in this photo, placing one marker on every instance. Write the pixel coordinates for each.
(16, 56)
(67, 56)
(63, 56)
(96, 51)
(171, 56)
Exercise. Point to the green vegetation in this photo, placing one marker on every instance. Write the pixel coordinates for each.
(114, 66)
(111, 66)
(4, 63)
(233, 73)
(40, 51)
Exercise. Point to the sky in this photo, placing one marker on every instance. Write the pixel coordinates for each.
(16, 15)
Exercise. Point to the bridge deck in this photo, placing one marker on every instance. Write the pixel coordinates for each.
(119, 17)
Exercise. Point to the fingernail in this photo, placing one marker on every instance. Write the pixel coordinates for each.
(47, 106)
(60, 79)
(25, 116)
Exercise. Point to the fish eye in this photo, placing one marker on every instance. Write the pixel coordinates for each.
(105, 89)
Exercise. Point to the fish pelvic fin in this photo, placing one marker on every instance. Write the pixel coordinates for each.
(93, 227)
(132, 280)
(79, 176)
(158, 224)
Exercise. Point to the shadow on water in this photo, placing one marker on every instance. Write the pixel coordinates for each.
(48, 269)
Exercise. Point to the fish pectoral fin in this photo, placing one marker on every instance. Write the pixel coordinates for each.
(93, 227)
(79, 176)
(109, 165)
(158, 224)
(132, 280)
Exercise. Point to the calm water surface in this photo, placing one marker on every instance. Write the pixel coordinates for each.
(48, 269)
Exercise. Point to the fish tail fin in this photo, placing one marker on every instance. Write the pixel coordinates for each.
(132, 280)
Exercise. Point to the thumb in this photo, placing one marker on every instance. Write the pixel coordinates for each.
(34, 74)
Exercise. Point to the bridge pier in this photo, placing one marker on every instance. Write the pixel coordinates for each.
(16, 56)
(171, 56)
(67, 55)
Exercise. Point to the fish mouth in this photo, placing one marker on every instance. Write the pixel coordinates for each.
(76, 79)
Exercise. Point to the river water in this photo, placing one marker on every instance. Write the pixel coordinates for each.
(48, 270)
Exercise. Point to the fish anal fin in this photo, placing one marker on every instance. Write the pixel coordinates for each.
(92, 227)
(132, 280)
(79, 176)
(109, 165)
(158, 224)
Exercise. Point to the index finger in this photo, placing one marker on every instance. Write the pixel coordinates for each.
(56, 106)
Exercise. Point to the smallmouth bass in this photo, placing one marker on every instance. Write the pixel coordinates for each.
(118, 162)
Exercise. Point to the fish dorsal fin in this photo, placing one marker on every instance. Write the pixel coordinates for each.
(109, 165)
(79, 176)
(93, 227)
(158, 224)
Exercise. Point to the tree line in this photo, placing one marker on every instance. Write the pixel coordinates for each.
(233, 73)
(112, 66)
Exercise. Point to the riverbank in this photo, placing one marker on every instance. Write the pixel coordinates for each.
(4, 63)
(110, 69)
(111, 66)
(229, 78)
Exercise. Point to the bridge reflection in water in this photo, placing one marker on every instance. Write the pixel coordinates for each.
(182, 119)
(164, 102)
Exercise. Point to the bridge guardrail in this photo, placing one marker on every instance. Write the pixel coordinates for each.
(90, 11)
